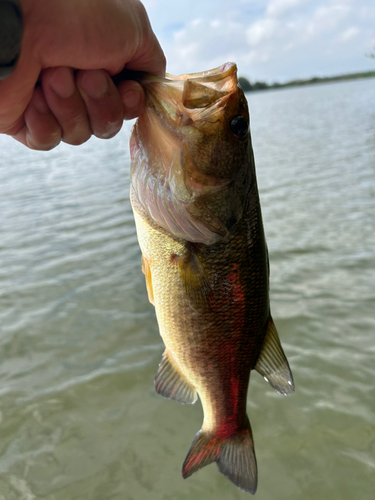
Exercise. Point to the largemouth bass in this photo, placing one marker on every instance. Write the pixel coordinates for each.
(199, 225)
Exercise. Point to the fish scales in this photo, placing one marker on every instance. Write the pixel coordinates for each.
(199, 226)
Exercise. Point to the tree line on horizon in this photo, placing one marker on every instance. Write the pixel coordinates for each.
(247, 86)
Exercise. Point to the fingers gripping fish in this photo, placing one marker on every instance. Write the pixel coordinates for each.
(199, 225)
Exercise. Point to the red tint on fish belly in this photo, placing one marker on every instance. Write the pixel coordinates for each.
(231, 294)
(238, 297)
(235, 282)
(228, 427)
(230, 302)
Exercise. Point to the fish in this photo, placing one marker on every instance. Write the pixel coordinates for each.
(198, 219)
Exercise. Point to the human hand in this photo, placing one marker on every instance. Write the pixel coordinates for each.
(45, 101)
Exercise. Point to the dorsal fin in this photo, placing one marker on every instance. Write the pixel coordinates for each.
(272, 362)
(197, 95)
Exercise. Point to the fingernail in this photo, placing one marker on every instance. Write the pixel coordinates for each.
(131, 99)
(94, 84)
(62, 83)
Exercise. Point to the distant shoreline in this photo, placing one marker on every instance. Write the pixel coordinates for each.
(247, 86)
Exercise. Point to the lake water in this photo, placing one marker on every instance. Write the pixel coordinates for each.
(79, 343)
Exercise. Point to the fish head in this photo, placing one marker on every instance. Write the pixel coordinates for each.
(196, 129)
(192, 163)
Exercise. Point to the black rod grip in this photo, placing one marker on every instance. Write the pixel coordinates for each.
(11, 25)
(127, 74)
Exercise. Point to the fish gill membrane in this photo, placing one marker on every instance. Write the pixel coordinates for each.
(196, 206)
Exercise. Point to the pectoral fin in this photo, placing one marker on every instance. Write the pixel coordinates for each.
(272, 363)
(194, 278)
(147, 272)
(171, 384)
(215, 229)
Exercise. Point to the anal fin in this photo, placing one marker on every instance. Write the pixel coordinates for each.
(272, 363)
(147, 272)
(171, 384)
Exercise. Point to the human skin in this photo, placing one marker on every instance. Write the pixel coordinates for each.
(61, 88)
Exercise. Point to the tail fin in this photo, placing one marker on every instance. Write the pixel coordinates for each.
(234, 455)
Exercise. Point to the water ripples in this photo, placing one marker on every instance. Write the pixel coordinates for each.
(79, 341)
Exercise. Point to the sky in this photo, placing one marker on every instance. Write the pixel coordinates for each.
(270, 40)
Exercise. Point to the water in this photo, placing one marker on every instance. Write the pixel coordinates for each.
(79, 344)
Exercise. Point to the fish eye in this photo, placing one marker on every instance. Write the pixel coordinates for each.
(239, 126)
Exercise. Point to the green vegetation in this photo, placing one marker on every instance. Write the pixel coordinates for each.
(248, 87)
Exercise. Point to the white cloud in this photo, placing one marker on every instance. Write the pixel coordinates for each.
(327, 18)
(210, 43)
(348, 34)
(216, 23)
(278, 7)
(196, 22)
(261, 30)
(269, 39)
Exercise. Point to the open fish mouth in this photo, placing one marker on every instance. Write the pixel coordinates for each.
(187, 95)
